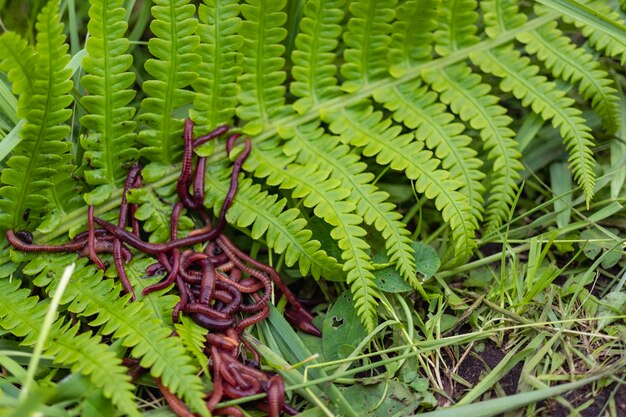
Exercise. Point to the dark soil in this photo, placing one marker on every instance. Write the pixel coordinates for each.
(478, 364)
(598, 403)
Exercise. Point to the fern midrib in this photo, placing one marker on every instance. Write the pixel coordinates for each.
(580, 68)
(108, 133)
(564, 116)
(167, 119)
(500, 16)
(494, 128)
(217, 87)
(453, 29)
(260, 82)
(314, 47)
(371, 16)
(454, 150)
(76, 217)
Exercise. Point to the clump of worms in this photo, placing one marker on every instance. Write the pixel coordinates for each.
(221, 288)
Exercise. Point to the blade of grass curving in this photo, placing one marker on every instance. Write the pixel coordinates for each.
(45, 330)
(561, 184)
(496, 406)
(11, 140)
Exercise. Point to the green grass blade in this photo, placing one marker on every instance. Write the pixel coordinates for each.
(500, 405)
(45, 330)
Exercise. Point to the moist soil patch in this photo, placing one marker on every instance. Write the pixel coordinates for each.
(481, 361)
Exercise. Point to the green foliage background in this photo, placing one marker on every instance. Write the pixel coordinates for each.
(375, 124)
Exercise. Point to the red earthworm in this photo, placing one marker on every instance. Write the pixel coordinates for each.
(106, 246)
(205, 310)
(184, 298)
(275, 395)
(173, 271)
(154, 248)
(302, 322)
(218, 131)
(234, 304)
(91, 240)
(241, 287)
(131, 180)
(221, 342)
(249, 321)
(182, 186)
(210, 323)
(231, 141)
(218, 389)
(173, 401)
(20, 245)
(303, 319)
(198, 182)
(228, 411)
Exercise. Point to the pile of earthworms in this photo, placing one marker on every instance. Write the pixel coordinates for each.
(221, 288)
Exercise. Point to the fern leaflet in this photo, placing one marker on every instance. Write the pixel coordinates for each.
(174, 47)
(463, 91)
(109, 146)
(23, 315)
(30, 173)
(19, 62)
(311, 144)
(314, 71)
(367, 41)
(574, 64)
(363, 127)
(520, 78)
(261, 84)
(216, 88)
(412, 34)
(327, 198)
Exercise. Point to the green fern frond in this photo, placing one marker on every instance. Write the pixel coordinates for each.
(18, 60)
(174, 70)
(109, 145)
(367, 42)
(363, 127)
(328, 199)
(501, 16)
(30, 172)
(311, 144)
(520, 78)
(457, 26)
(575, 65)
(412, 34)
(216, 88)
(23, 315)
(314, 71)
(469, 98)
(262, 90)
(286, 230)
(418, 108)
